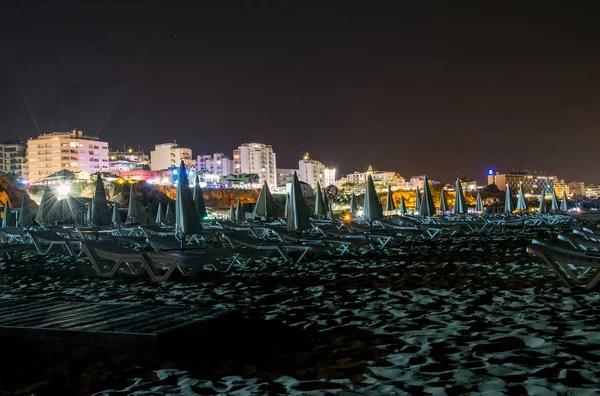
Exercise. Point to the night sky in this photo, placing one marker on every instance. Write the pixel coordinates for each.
(445, 91)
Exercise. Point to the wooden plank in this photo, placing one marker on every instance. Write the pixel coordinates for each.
(31, 313)
(58, 317)
(108, 324)
(11, 308)
(81, 320)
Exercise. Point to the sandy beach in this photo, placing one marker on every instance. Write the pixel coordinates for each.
(455, 315)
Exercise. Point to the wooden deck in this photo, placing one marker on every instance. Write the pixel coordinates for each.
(80, 324)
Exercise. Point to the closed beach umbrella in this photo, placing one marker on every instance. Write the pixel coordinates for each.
(187, 221)
(8, 220)
(116, 217)
(373, 210)
(298, 219)
(47, 207)
(508, 202)
(443, 202)
(100, 214)
(353, 204)
(417, 200)
(402, 205)
(564, 205)
(25, 218)
(460, 203)
(326, 205)
(320, 210)
(521, 203)
(555, 205)
(479, 202)
(231, 212)
(389, 204)
(132, 211)
(199, 200)
(168, 214)
(239, 211)
(265, 207)
(427, 206)
(543, 208)
(159, 215)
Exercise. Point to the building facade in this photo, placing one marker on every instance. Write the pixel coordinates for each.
(169, 155)
(561, 188)
(123, 161)
(468, 184)
(311, 171)
(592, 191)
(577, 188)
(217, 164)
(285, 176)
(13, 157)
(329, 176)
(532, 183)
(73, 151)
(379, 177)
(256, 158)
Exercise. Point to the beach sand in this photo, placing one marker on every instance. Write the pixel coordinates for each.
(455, 315)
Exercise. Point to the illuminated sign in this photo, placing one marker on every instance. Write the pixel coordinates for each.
(490, 172)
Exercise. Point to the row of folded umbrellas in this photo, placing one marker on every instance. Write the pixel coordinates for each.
(190, 207)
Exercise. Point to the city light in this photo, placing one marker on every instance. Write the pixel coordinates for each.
(63, 190)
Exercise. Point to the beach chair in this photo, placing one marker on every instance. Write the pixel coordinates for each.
(240, 238)
(108, 258)
(44, 241)
(574, 268)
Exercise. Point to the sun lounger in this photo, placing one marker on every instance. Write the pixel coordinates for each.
(240, 238)
(574, 268)
(44, 241)
(14, 235)
(188, 263)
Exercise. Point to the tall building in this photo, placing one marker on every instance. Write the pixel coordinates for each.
(311, 171)
(73, 151)
(169, 155)
(13, 157)
(217, 164)
(126, 160)
(256, 158)
(329, 176)
(532, 183)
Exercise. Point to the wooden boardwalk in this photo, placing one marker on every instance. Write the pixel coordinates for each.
(76, 324)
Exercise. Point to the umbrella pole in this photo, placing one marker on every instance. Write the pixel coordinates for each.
(97, 230)
(182, 241)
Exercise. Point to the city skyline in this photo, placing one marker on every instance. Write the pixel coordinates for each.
(446, 93)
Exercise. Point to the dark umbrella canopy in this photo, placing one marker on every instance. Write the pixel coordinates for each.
(479, 202)
(353, 204)
(116, 216)
(427, 205)
(46, 212)
(320, 209)
(187, 221)
(508, 201)
(264, 208)
(402, 206)
(132, 211)
(239, 211)
(25, 217)
(8, 220)
(555, 205)
(326, 205)
(460, 203)
(389, 204)
(521, 202)
(298, 219)
(543, 208)
(373, 210)
(418, 200)
(564, 205)
(100, 213)
(159, 214)
(443, 202)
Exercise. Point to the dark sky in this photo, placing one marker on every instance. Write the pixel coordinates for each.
(443, 91)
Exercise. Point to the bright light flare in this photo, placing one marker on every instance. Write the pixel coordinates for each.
(63, 190)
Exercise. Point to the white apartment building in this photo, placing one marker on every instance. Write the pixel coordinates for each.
(168, 155)
(73, 151)
(256, 158)
(379, 177)
(13, 157)
(217, 164)
(329, 176)
(311, 171)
